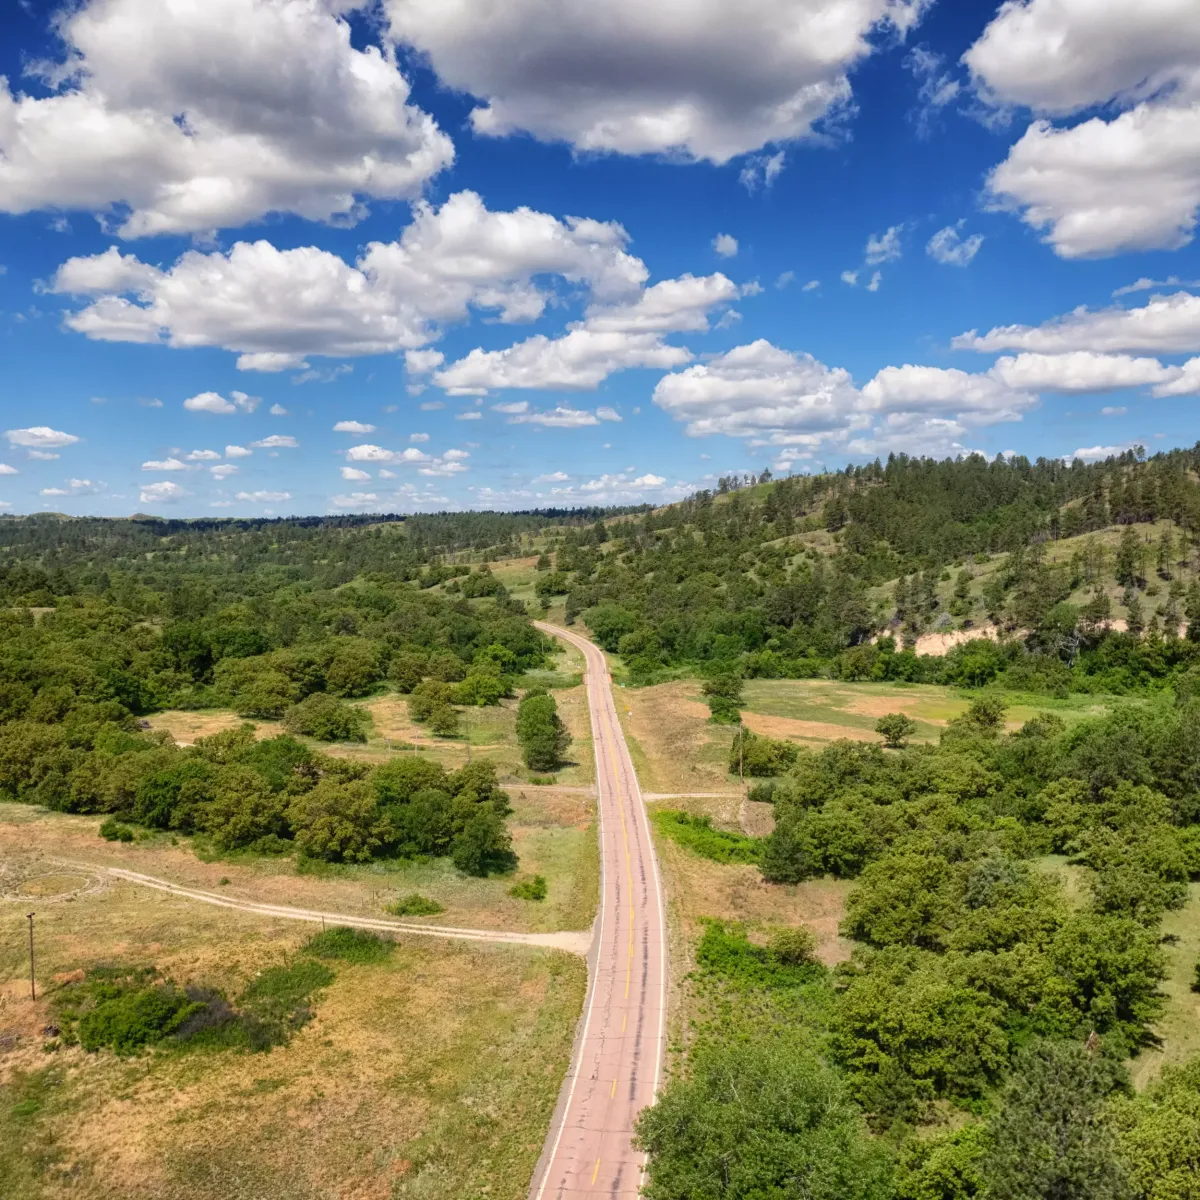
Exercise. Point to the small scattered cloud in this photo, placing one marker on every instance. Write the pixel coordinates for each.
(164, 464)
(276, 441)
(1097, 453)
(354, 500)
(418, 437)
(214, 402)
(876, 280)
(42, 455)
(936, 88)
(237, 452)
(811, 285)
(850, 277)
(223, 470)
(884, 247)
(263, 497)
(1144, 285)
(473, 415)
(787, 277)
(75, 487)
(1113, 410)
(353, 427)
(725, 244)
(277, 410)
(203, 456)
(355, 475)
(151, 402)
(166, 491)
(948, 246)
(421, 362)
(761, 171)
(323, 374)
(433, 405)
(553, 477)
(5, 469)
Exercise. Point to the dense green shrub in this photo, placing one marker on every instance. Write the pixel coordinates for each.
(349, 945)
(533, 888)
(415, 905)
(699, 836)
(327, 719)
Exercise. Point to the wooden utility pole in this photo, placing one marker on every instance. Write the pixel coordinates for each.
(32, 977)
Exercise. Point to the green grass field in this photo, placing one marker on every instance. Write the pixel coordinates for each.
(855, 707)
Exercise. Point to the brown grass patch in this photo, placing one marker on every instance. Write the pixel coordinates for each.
(700, 888)
(186, 727)
(879, 706)
(674, 747)
(790, 727)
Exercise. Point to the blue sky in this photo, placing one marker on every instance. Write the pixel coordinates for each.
(598, 260)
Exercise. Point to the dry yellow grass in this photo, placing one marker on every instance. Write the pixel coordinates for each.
(431, 1075)
(553, 835)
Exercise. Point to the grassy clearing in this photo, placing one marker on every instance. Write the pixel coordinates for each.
(821, 710)
(553, 836)
(427, 1071)
(1179, 1027)
(489, 732)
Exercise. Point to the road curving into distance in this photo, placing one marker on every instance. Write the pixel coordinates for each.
(618, 1056)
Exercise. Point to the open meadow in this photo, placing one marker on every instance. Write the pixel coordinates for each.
(428, 1072)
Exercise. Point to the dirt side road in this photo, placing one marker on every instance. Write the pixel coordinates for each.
(618, 1056)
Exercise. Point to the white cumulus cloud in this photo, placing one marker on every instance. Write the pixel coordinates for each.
(40, 437)
(726, 245)
(354, 475)
(353, 427)
(1163, 325)
(277, 441)
(610, 338)
(1112, 183)
(275, 306)
(166, 491)
(699, 78)
(165, 464)
(178, 117)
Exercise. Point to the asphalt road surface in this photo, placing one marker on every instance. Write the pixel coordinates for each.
(618, 1055)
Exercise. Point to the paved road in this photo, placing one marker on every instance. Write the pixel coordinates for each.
(615, 1069)
(575, 943)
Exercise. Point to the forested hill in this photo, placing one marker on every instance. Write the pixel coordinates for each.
(49, 556)
(781, 577)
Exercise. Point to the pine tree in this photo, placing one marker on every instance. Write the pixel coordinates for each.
(1128, 552)
(1135, 621)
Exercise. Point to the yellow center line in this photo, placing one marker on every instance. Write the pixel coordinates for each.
(595, 1170)
(614, 1090)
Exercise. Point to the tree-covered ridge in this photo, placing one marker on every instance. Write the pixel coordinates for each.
(47, 556)
(779, 578)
